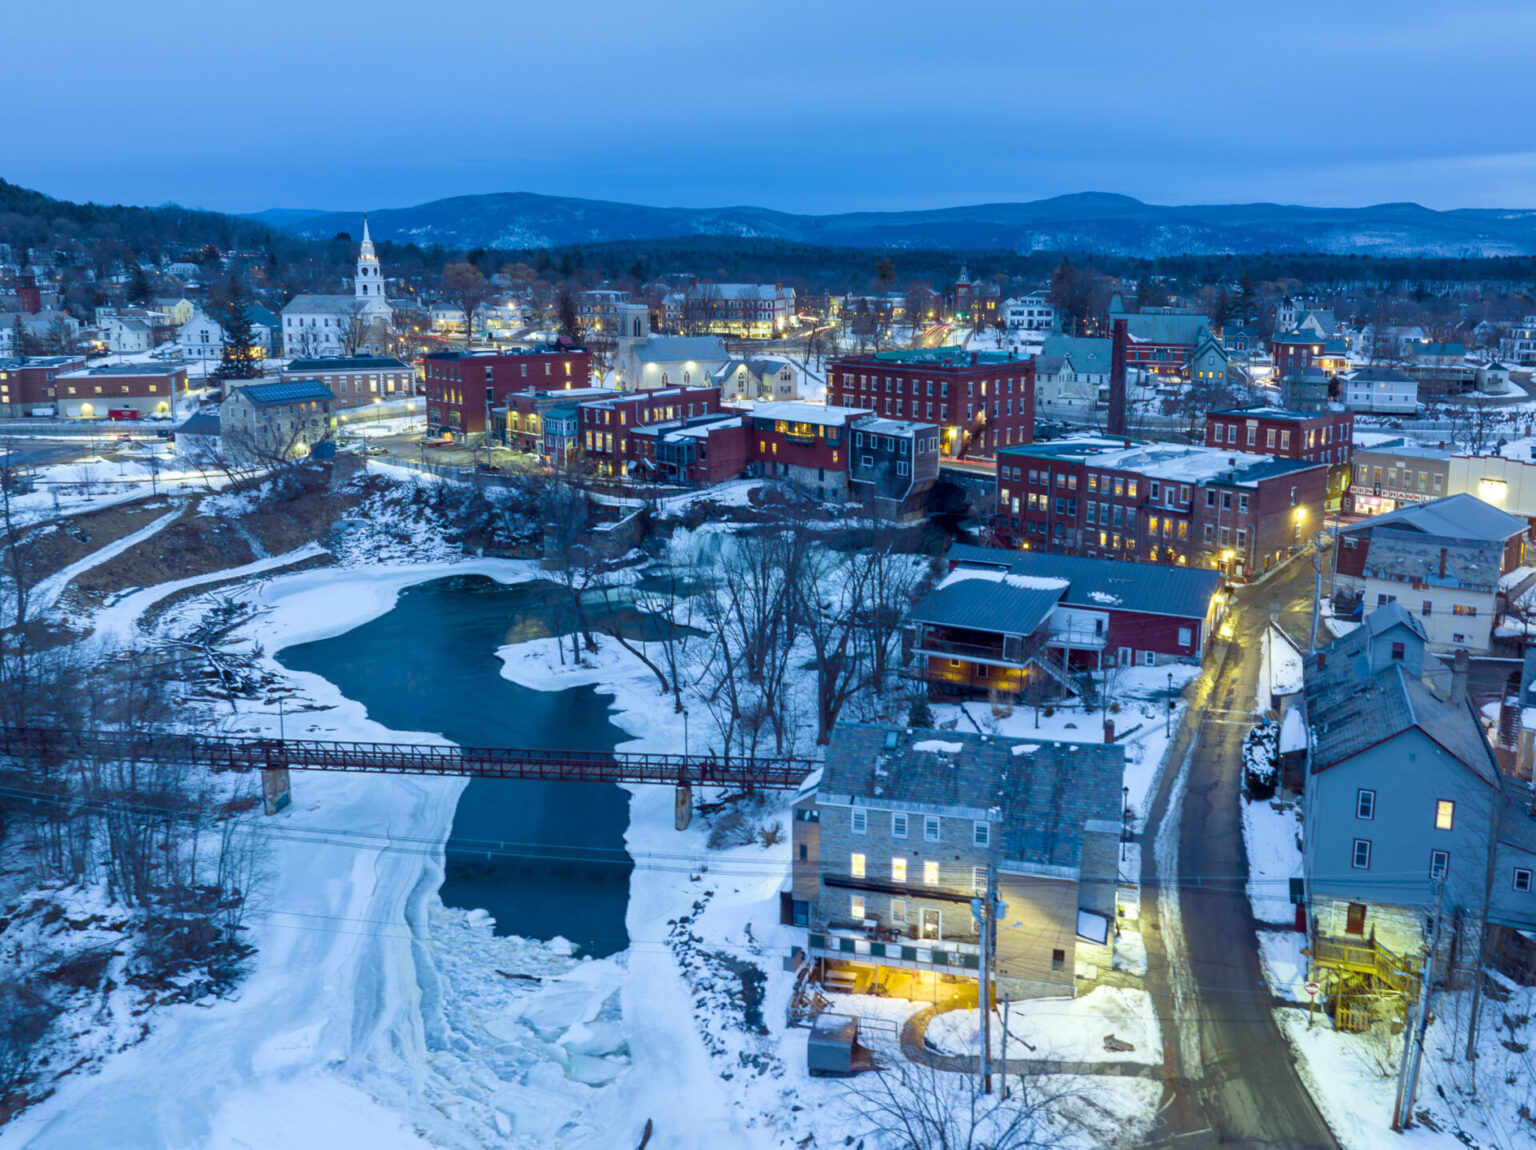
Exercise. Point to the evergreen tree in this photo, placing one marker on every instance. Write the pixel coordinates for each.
(240, 358)
(25, 342)
(565, 309)
(138, 284)
(919, 713)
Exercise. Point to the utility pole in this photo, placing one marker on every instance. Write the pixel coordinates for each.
(985, 910)
(1003, 1072)
(1413, 1036)
(1317, 593)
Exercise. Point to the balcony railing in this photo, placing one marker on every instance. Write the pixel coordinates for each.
(870, 946)
(1012, 652)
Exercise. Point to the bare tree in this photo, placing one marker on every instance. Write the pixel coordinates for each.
(465, 285)
(914, 1105)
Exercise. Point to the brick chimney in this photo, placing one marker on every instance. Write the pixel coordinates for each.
(1461, 665)
(1442, 562)
(1117, 420)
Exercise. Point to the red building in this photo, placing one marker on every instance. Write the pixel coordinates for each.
(607, 426)
(463, 388)
(982, 401)
(27, 383)
(1159, 503)
(525, 412)
(702, 452)
(806, 444)
(119, 391)
(1315, 436)
(1008, 621)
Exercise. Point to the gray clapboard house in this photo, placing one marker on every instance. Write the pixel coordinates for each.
(894, 836)
(1408, 820)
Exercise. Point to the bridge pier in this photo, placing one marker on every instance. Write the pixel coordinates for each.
(683, 805)
(275, 790)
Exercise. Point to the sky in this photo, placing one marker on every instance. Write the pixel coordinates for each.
(799, 106)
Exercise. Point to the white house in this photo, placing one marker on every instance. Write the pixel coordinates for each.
(1380, 389)
(127, 334)
(1029, 313)
(760, 378)
(327, 325)
(202, 337)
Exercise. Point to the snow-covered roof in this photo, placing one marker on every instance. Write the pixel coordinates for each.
(808, 413)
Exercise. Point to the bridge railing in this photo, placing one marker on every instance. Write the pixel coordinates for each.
(245, 754)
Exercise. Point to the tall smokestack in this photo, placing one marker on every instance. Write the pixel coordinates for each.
(1117, 420)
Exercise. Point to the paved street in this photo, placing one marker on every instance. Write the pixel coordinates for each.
(1230, 1072)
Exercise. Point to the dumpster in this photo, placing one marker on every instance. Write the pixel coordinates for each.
(834, 1038)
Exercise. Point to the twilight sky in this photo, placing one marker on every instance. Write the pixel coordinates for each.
(803, 106)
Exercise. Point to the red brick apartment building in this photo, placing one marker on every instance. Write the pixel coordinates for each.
(1158, 503)
(464, 387)
(607, 426)
(27, 382)
(1316, 436)
(982, 402)
(806, 444)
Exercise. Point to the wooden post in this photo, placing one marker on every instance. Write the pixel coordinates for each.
(683, 809)
(275, 789)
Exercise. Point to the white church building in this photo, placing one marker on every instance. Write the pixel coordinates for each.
(340, 325)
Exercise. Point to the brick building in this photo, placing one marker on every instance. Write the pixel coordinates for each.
(606, 432)
(27, 383)
(1234, 512)
(753, 311)
(805, 443)
(463, 388)
(357, 380)
(120, 391)
(701, 451)
(522, 417)
(1170, 341)
(1315, 436)
(1392, 475)
(982, 402)
(268, 421)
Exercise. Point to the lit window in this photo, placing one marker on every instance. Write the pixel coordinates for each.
(898, 870)
(856, 907)
(856, 865)
(931, 873)
(1445, 814)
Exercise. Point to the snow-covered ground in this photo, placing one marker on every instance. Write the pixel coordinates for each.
(1353, 1077)
(1059, 1029)
(374, 1015)
(1273, 858)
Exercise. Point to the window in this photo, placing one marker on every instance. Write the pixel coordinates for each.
(856, 907)
(1439, 863)
(1426, 608)
(1464, 609)
(856, 865)
(1398, 651)
(898, 910)
(1365, 804)
(931, 828)
(898, 869)
(1361, 857)
(860, 821)
(931, 873)
(898, 824)
(1150, 658)
(1058, 959)
(1445, 814)
(1186, 636)
(1522, 880)
(980, 834)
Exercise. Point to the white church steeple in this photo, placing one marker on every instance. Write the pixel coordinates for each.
(369, 284)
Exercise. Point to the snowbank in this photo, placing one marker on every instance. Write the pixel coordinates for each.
(1273, 859)
(1059, 1029)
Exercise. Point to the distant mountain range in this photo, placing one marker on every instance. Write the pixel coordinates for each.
(1088, 222)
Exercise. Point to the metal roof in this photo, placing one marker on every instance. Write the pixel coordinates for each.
(985, 604)
(348, 363)
(289, 391)
(680, 349)
(1454, 517)
(1149, 588)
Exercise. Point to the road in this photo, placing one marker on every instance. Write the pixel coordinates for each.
(1230, 1073)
